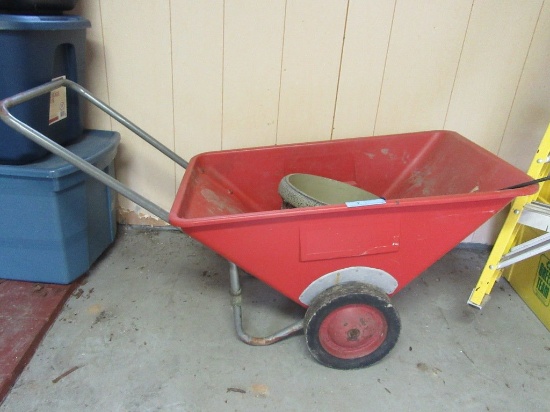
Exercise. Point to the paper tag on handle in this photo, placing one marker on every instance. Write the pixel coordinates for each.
(58, 103)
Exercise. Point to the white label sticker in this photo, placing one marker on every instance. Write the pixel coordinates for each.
(58, 103)
(358, 203)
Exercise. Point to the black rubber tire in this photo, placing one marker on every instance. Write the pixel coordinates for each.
(343, 296)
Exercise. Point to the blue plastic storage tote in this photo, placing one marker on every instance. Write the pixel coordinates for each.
(55, 219)
(35, 50)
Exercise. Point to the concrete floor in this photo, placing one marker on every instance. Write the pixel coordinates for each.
(152, 330)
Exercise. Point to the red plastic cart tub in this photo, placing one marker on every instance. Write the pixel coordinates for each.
(438, 186)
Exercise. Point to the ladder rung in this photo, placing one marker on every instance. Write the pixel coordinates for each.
(536, 215)
(525, 250)
(540, 206)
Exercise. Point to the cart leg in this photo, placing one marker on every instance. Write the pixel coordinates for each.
(236, 303)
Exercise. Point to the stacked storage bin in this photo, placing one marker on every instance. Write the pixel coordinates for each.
(55, 221)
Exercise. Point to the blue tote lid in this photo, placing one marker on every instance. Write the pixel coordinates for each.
(95, 146)
(40, 22)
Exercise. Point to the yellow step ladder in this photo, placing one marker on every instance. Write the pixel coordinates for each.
(533, 211)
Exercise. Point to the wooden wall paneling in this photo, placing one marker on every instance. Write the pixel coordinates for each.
(287, 74)
(490, 67)
(96, 76)
(492, 61)
(197, 64)
(253, 42)
(311, 60)
(530, 112)
(139, 75)
(364, 55)
(423, 55)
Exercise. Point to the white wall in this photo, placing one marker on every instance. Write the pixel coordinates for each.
(207, 75)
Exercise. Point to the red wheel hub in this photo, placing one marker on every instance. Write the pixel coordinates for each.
(353, 331)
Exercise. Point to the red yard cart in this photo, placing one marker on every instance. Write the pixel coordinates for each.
(344, 261)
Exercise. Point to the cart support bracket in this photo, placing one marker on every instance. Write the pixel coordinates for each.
(236, 303)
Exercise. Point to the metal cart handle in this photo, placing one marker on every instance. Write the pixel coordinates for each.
(75, 160)
(124, 190)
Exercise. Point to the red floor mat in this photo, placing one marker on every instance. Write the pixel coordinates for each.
(26, 312)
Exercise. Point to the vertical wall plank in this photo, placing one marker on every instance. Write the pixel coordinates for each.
(490, 67)
(253, 42)
(423, 54)
(311, 60)
(364, 55)
(138, 61)
(197, 59)
(530, 113)
(96, 76)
